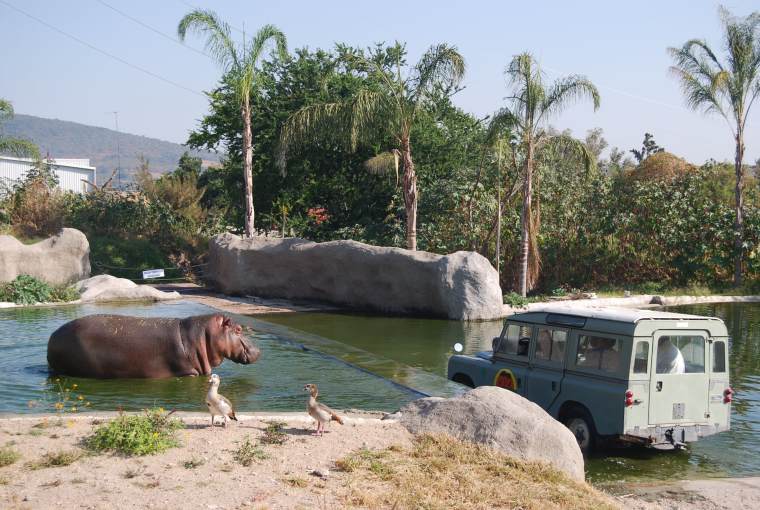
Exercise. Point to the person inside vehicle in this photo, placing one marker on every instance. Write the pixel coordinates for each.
(544, 344)
(669, 357)
(600, 354)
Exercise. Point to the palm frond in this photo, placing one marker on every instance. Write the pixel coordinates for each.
(384, 163)
(346, 123)
(503, 123)
(219, 43)
(566, 91)
(6, 109)
(573, 146)
(441, 65)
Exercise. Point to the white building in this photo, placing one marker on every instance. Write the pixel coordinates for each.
(71, 173)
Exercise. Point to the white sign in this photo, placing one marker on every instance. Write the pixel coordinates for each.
(153, 273)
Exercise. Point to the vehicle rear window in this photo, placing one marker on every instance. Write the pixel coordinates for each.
(597, 352)
(681, 354)
(516, 341)
(641, 357)
(550, 345)
(719, 356)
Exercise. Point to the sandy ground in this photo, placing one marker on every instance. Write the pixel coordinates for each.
(719, 493)
(283, 480)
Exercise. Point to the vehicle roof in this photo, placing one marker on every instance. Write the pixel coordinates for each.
(619, 320)
(610, 313)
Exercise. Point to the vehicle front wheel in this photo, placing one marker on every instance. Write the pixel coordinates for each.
(582, 426)
(463, 379)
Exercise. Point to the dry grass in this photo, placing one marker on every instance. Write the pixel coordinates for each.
(439, 472)
(56, 459)
(8, 456)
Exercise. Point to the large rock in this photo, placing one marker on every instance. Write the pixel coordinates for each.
(105, 287)
(462, 286)
(502, 420)
(63, 258)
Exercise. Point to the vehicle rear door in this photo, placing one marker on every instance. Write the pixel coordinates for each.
(679, 389)
(547, 364)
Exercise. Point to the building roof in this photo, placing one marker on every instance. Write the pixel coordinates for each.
(618, 314)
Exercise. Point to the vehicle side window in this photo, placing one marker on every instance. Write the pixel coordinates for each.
(600, 353)
(641, 357)
(550, 345)
(516, 341)
(719, 356)
(681, 354)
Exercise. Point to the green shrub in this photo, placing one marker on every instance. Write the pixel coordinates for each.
(515, 300)
(248, 452)
(559, 292)
(147, 434)
(119, 257)
(651, 287)
(28, 290)
(274, 433)
(8, 456)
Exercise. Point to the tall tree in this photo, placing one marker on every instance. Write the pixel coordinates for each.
(728, 88)
(648, 147)
(532, 104)
(239, 63)
(15, 146)
(389, 106)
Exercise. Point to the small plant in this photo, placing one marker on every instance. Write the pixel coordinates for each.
(515, 300)
(8, 456)
(56, 459)
(132, 473)
(67, 399)
(248, 452)
(651, 287)
(147, 434)
(274, 433)
(559, 292)
(296, 481)
(193, 463)
(365, 458)
(28, 290)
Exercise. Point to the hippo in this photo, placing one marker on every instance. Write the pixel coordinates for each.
(118, 346)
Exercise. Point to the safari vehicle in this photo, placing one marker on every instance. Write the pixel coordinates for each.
(647, 377)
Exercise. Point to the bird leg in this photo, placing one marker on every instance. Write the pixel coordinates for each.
(225, 421)
(212, 422)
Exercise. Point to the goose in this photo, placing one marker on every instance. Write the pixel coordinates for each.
(320, 412)
(218, 404)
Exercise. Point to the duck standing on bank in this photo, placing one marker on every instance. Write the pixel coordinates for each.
(320, 412)
(218, 404)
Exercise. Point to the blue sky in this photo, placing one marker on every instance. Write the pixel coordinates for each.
(620, 46)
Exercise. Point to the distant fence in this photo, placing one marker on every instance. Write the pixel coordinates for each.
(190, 273)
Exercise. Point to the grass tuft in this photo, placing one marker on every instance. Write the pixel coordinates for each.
(248, 453)
(438, 471)
(56, 459)
(193, 463)
(296, 481)
(147, 434)
(8, 456)
(274, 433)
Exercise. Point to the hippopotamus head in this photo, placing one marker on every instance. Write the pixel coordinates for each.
(230, 342)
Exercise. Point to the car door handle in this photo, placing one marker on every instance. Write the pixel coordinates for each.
(659, 385)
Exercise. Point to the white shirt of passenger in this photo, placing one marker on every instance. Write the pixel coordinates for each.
(669, 359)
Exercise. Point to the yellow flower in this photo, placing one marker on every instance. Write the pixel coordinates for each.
(74, 409)
(59, 405)
(155, 434)
(74, 386)
(80, 397)
(160, 409)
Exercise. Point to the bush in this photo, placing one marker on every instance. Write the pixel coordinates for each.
(56, 459)
(28, 290)
(119, 256)
(8, 456)
(248, 452)
(151, 433)
(515, 300)
(36, 207)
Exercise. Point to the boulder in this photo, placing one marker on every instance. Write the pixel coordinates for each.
(461, 286)
(105, 287)
(502, 420)
(63, 258)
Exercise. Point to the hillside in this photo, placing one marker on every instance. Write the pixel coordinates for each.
(63, 139)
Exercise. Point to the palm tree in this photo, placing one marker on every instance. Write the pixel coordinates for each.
(390, 105)
(239, 64)
(727, 88)
(15, 146)
(531, 106)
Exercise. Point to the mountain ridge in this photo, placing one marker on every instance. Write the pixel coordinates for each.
(68, 139)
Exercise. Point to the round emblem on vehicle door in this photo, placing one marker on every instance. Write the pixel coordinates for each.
(505, 379)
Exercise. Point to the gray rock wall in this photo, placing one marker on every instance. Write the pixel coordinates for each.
(63, 258)
(461, 286)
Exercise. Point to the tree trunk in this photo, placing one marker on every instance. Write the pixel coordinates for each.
(498, 215)
(739, 222)
(410, 194)
(525, 217)
(248, 167)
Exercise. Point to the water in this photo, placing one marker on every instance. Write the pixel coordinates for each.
(274, 383)
(426, 344)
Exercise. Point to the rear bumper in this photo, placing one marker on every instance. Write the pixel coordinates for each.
(672, 434)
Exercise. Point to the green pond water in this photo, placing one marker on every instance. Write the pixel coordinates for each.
(274, 383)
(411, 346)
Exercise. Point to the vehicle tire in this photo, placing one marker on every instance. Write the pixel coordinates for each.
(580, 423)
(463, 379)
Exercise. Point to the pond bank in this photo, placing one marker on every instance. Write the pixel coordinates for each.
(304, 471)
